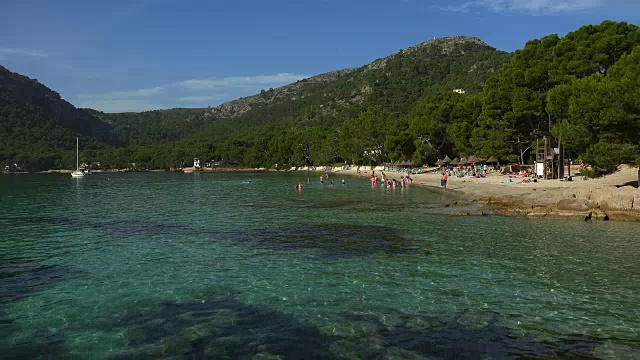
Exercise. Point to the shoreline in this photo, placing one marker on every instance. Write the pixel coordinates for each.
(612, 197)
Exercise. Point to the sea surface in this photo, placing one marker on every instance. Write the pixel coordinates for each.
(167, 265)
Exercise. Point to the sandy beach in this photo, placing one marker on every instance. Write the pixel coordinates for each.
(612, 197)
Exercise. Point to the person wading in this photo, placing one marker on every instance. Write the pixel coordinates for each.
(443, 180)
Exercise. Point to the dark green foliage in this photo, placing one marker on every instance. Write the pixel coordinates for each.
(152, 127)
(580, 87)
(605, 158)
(38, 128)
(584, 88)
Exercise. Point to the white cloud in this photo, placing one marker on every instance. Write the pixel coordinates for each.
(237, 81)
(24, 52)
(119, 105)
(532, 6)
(123, 95)
(195, 92)
(203, 98)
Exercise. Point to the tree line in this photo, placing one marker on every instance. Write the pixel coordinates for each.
(582, 88)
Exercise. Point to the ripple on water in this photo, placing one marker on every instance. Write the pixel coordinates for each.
(328, 273)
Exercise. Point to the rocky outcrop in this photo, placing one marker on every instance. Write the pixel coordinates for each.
(615, 199)
(576, 204)
(452, 45)
(292, 91)
(590, 204)
(605, 198)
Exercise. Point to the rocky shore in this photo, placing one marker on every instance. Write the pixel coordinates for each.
(612, 197)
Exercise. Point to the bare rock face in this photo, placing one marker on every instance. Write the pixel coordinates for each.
(576, 204)
(636, 200)
(582, 193)
(615, 198)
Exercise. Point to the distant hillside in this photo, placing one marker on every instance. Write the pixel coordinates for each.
(154, 127)
(395, 82)
(38, 127)
(583, 87)
(24, 102)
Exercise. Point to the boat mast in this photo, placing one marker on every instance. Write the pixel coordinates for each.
(77, 150)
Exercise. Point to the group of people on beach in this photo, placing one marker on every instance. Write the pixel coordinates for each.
(474, 170)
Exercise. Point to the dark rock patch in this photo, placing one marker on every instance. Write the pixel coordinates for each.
(333, 240)
(20, 278)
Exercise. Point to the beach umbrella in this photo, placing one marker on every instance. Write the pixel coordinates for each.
(446, 160)
(455, 161)
(439, 162)
(464, 161)
(473, 159)
(492, 160)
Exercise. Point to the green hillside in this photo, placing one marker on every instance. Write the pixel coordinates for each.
(38, 127)
(153, 127)
(583, 88)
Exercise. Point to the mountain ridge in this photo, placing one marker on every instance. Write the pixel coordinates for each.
(240, 106)
(322, 100)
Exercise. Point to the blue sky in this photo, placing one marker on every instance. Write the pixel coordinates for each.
(139, 55)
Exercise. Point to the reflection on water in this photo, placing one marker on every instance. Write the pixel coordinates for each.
(174, 265)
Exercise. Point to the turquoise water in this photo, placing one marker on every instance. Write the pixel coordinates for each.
(165, 265)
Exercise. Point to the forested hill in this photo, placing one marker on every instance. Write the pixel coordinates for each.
(26, 103)
(395, 82)
(155, 126)
(38, 127)
(582, 87)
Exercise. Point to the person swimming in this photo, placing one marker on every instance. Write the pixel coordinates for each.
(343, 182)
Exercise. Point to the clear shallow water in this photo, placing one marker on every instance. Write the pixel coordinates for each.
(201, 265)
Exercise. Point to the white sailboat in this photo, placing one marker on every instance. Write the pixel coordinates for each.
(77, 173)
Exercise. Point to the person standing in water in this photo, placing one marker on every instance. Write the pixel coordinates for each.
(344, 182)
(443, 180)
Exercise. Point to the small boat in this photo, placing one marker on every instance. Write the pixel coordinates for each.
(77, 173)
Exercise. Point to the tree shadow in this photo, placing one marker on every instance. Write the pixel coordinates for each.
(20, 278)
(217, 327)
(634, 184)
(421, 335)
(333, 240)
(41, 344)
